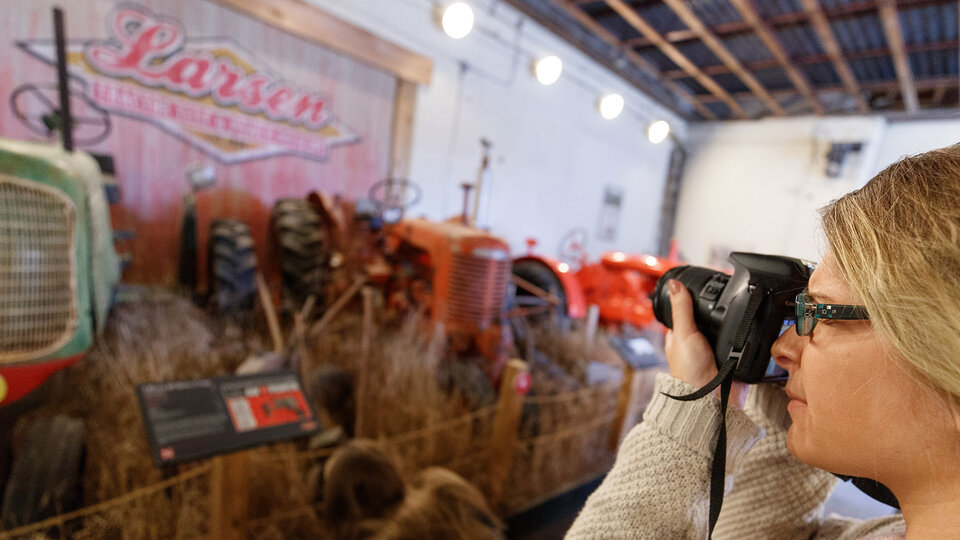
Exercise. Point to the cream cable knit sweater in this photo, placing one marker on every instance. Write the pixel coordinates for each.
(659, 487)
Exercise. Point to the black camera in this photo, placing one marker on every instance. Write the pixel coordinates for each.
(743, 314)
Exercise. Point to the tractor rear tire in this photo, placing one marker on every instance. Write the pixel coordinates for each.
(232, 267)
(542, 276)
(45, 479)
(304, 250)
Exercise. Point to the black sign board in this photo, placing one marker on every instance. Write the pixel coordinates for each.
(188, 420)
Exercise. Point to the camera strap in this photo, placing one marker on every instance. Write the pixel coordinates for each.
(724, 380)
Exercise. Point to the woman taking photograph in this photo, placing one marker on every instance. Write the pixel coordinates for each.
(877, 398)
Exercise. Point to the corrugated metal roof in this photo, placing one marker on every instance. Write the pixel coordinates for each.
(800, 40)
(772, 8)
(929, 24)
(616, 25)
(693, 86)
(730, 82)
(714, 12)
(773, 78)
(821, 74)
(747, 48)
(929, 27)
(698, 53)
(657, 58)
(661, 17)
(934, 64)
(873, 69)
(859, 33)
(719, 109)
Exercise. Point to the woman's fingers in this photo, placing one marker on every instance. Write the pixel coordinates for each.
(681, 308)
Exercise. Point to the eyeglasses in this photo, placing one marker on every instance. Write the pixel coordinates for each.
(808, 313)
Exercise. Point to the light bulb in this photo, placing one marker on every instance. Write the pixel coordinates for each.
(457, 20)
(611, 105)
(658, 131)
(548, 70)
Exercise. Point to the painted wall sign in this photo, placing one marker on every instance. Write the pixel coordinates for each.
(165, 86)
(209, 92)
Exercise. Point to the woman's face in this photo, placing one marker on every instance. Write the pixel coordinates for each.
(855, 411)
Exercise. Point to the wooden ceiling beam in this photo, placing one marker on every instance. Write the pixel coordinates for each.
(877, 86)
(830, 45)
(777, 22)
(750, 15)
(710, 40)
(901, 62)
(641, 25)
(580, 16)
(808, 59)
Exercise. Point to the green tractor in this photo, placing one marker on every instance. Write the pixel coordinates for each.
(58, 271)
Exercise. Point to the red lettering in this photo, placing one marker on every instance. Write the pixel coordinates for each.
(251, 94)
(149, 40)
(189, 70)
(278, 99)
(313, 106)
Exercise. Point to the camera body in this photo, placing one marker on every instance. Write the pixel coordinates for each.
(743, 314)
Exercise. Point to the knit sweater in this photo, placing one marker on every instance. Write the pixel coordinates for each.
(659, 486)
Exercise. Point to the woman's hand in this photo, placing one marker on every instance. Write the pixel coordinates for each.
(689, 354)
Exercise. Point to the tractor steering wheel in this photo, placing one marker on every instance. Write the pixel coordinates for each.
(391, 196)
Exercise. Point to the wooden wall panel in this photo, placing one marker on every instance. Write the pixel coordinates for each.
(151, 162)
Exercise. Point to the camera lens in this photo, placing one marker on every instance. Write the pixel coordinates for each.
(705, 286)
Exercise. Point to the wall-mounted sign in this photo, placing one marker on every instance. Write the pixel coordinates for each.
(209, 92)
(192, 419)
(610, 212)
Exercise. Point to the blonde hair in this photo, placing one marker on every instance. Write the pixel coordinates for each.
(897, 244)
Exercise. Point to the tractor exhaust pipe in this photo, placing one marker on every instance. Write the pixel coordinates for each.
(66, 121)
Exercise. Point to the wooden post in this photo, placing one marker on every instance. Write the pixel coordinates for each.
(271, 314)
(363, 367)
(333, 310)
(506, 422)
(303, 352)
(623, 404)
(229, 495)
(593, 318)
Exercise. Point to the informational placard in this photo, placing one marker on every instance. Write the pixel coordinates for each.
(192, 419)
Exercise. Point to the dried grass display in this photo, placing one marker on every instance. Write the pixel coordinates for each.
(428, 408)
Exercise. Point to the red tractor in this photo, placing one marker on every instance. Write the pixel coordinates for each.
(620, 284)
(455, 273)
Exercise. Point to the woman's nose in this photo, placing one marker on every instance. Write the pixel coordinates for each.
(788, 348)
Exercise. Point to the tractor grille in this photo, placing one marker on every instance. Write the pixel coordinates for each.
(478, 286)
(38, 311)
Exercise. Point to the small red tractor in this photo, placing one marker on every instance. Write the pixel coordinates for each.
(620, 284)
(457, 274)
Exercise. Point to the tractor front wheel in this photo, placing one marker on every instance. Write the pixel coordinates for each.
(541, 276)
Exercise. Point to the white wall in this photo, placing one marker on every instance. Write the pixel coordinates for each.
(552, 152)
(756, 186)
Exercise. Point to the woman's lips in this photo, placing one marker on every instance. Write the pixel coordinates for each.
(796, 402)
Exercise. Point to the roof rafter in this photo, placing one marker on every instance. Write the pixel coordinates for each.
(580, 16)
(776, 22)
(876, 86)
(641, 25)
(808, 59)
(901, 62)
(750, 15)
(710, 40)
(830, 45)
